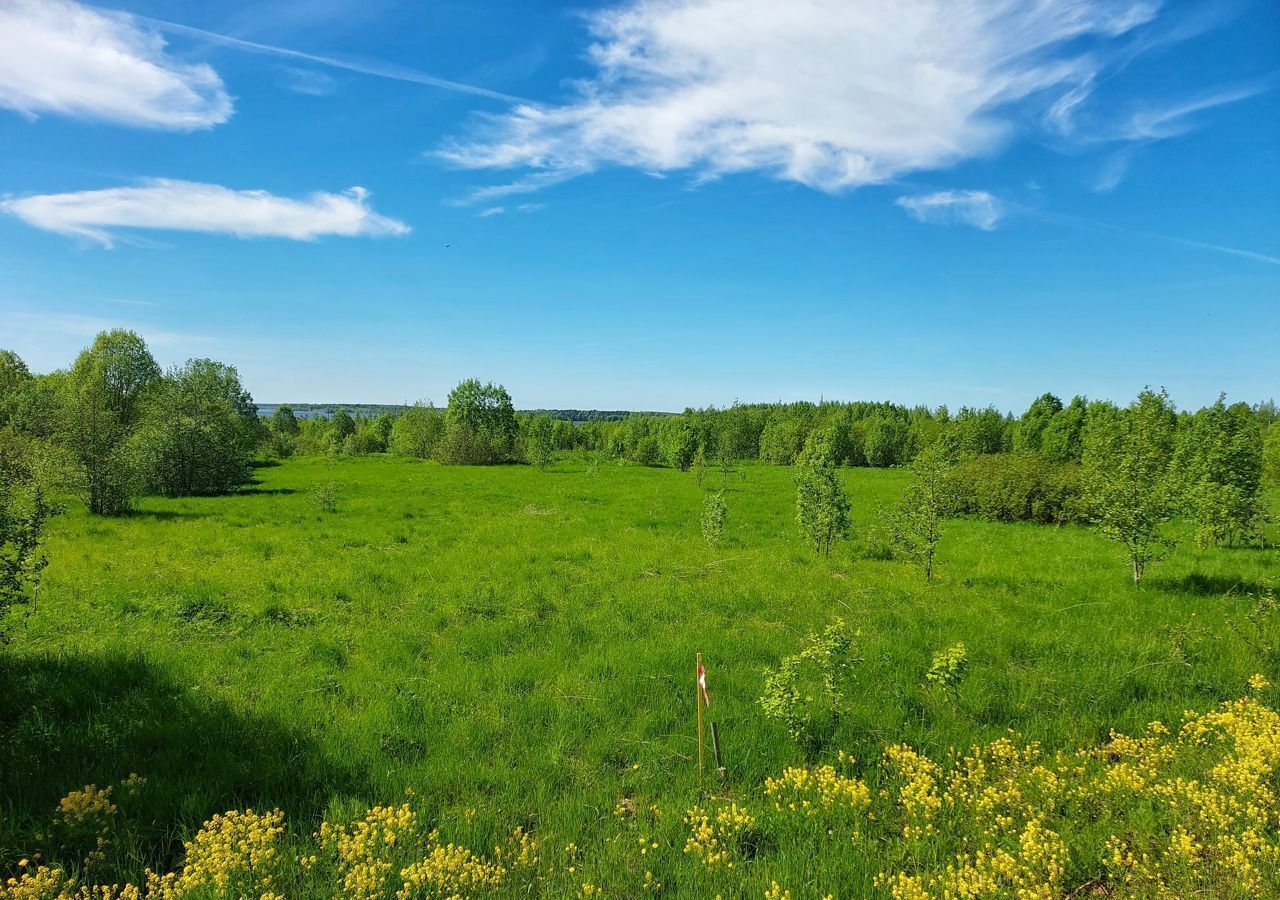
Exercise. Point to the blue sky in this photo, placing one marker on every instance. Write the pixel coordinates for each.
(651, 204)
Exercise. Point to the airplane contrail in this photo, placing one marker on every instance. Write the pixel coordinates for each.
(377, 68)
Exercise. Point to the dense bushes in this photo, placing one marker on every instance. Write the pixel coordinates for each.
(200, 431)
(113, 427)
(1017, 487)
(480, 426)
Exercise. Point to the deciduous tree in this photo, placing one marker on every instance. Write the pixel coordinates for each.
(1127, 456)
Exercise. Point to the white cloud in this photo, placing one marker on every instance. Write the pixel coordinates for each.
(1153, 123)
(976, 208)
(311, 82)
(188, 206)
(829, 94)
(491, 211)
(60, 57)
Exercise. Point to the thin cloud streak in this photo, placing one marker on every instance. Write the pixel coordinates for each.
(77, 325)
(376, 68)
(1092, 225)
(170, 204)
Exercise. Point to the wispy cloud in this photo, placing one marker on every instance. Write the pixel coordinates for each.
(189, 206)
(526, 185)
(1114, 169)
(311, 82)
(75, 325)
(128, 302)
(830, 95)
(375, 67)
(491, 211)
(977, 208)
(1070, 221)
(1152, 122)
(60, 57)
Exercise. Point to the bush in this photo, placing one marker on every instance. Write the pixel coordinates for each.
(325, 496)
(806, 693)
(417, 432)
(714, 513)
(200, 431)
(480, 425)
(23, 513)
(822, 507)
(1015, 487)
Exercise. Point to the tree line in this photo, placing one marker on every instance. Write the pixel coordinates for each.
(113, 427)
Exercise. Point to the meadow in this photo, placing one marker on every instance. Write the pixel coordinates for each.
(502, 648)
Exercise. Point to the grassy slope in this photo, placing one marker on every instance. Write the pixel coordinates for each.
(516, 641)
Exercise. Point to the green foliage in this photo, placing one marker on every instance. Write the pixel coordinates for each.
(974, 432)
(341, 427)
(1127, 484)
(827, 445)
(714, 513)
(100, 405)
(885, 443)
(807, 691)
(480, 425)
(325, 496)
(1028, 434)
(1218, 464)
(699, 467)
(15, 379)
(1271, 455)
(284, 422)
(538, 436)
(949, 668)
(1061, 441)
(1261, 626)
(417, 431)
(679, 444)
(1017, 487)
(914, 523)
(200, 431)
(782, 441)
(23, 513)
(822, 507)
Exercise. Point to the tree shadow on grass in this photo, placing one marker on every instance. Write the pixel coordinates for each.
(252, 490)
(165, 515)
(71, 721)
(1207, 585)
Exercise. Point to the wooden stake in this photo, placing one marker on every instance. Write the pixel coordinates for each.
(697, 692)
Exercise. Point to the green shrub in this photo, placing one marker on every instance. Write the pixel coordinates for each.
(1017, 487)
(714, 512)
(949, 669)
(806, 693)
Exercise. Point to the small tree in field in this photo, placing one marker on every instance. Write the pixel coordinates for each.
(714, 513)
(699, 466)
(914, 523)
(822, 507)
(23, 513)
(539, 442)
(1127, 455)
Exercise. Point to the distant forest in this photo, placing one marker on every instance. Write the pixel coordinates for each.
(369, 410)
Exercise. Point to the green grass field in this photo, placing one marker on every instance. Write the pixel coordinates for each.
(516, 647)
